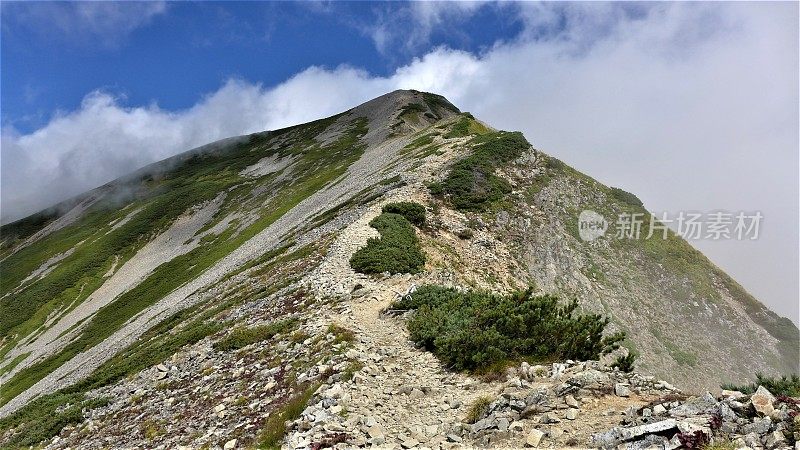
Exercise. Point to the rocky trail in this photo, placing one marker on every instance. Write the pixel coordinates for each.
(389, 404)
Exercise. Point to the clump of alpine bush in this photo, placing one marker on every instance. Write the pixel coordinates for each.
(396, 251)
(472, 184)
(480, 332)
(412, 211)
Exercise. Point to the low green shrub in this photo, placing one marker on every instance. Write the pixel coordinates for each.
(413, 108)
(460, 128)
(274, 428)
(341, 334)
(472, 184)
(412, 211)
(477, 330)
(45, 417)
(788, 385)
(244, 336)
(396, 251)
(478, 409)
(625, 363)
(625, 197)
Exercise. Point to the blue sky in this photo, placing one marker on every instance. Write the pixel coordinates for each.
(181, 51)
(692, 106)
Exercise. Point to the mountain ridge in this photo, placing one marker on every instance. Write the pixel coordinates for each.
(194, 236)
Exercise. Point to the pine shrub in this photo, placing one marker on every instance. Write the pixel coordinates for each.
(477, 331)
(472, 184)
(788, 385)
(625, 363)
(412, 211)
(396, 251)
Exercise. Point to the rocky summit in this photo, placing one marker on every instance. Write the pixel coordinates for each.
(400, 275)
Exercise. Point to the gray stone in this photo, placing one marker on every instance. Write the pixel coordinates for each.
(731, 394)
(622, 390)
(659, 410)
(549, 418)
(775, 439)
(589, 378)
(628, 434)
(409, 442)
(752, 440)
(571, 402)
(727, 413)
(695, 406)
(502, 424)
(572, 414)
(759, 426)
(606, 439)
(375, 431)
(453, 438)
(483, 424)
(650, 442)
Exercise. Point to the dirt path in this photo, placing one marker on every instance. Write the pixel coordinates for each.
(406, 390)
(402, 396)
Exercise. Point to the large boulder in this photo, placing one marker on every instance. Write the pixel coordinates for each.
(763, 401)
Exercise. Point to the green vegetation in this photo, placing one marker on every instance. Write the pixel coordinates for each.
(785, 385)
(352, 368)
(438, 104)
(413, 108)
(197, 178)
(626, 197)
(479, 331)
(720, 444)
(13, 363)
(466, 126)
(43, 418)
(625, 363)
(472, 184)
(341, 334)
(412, 211)
(274, 428)
(478, 409)
(244, 336)
(396, 251)
(151, 429)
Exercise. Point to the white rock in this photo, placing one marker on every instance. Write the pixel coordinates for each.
(533, 438)
(762, 401)
(230, 444)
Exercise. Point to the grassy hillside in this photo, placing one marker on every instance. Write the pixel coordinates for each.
(196, 179)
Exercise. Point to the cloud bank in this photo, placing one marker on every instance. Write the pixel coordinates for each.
(690, 106)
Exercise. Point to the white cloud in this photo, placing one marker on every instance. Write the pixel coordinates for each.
(409, 27)
(103, 23)
(690, 106)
